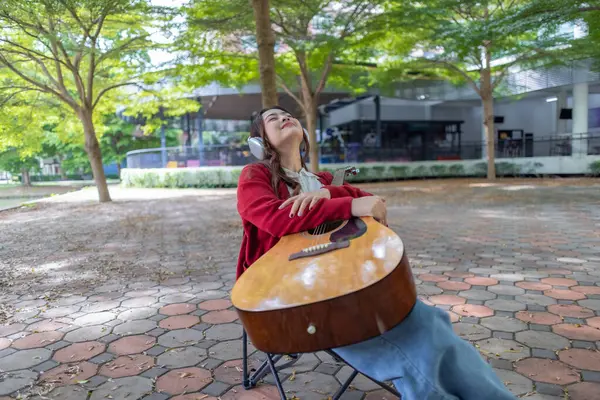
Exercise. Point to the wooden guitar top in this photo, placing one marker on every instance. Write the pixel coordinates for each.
(274, 283)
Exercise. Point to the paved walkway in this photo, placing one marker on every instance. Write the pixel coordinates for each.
(129, 300)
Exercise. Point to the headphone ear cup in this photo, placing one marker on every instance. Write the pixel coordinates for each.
(257, 147)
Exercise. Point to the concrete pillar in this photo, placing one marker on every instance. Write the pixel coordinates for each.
(580, 119)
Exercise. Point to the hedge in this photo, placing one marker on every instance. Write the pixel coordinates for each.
(227, 177)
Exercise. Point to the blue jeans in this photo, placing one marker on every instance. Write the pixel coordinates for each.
(426, 360)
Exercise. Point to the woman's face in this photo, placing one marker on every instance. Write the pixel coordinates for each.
(283, 131)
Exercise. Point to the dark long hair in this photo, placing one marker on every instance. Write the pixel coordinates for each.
(272, 158)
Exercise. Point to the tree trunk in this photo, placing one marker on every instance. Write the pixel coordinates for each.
(119, 169)
(487, 97)
(266, 52)
(311, 126)
(92, 148)
(25, 178)
(488, 115)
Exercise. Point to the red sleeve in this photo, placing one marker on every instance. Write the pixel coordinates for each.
(341, 191)
(258, 204)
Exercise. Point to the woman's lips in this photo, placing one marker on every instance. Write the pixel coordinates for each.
(289, 123)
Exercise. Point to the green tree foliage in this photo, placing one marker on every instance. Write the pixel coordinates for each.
(17, 164)
(470, 41)
(318, 43)
(72, 53)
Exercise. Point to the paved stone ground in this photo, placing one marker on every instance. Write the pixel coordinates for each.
(129, 300)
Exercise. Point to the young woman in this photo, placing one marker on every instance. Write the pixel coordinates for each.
(422, 355)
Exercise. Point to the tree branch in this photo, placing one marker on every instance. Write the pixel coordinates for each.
(290, 93)
(448, 65)
(109, 88)
(325, 74)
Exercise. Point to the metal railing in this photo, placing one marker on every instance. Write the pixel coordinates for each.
(182, 157)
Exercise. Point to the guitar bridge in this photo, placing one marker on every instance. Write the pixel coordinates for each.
(319, 249)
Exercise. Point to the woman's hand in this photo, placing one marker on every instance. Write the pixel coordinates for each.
(370, 206)
(303, 200)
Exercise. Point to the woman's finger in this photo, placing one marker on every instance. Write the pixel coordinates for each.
(296, 205)
(307, 200)
(288, 201)
(314, 201)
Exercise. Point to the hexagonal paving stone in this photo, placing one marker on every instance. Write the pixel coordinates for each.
(214, 305)
(563, 294)
(224, 332)
(592, 304)
(133, 387)
(16, 380)
(198, 396)
(220, 317)
(477, 294)
(24, 359)
(207, 285)
(183, 380)
(68, 300)
(261, 392)
(427, 290)
(182, 337)
(505, 305)
(182, 357)
(447, 299)
(508, 277)
(432, 278)
(229, 371)
(230, 350)
(458, 274)
(360, 382)
(70, 374)
(79, 352)
(176, 298)
(593, 322)
(134, 327)
(127, 366)
(506, 290)
(559, 281)
(210, 294)
(131, 345)
(584, 391)
(533, 285)
(312, 385)
(581, 358)
(179, 322)
(452, 285)
(36, 340)
(473, 310)
(503, 349)
(7, 330)
(137, 313)
(481, 281)
(577, 332)
(99, 306)
(307, 362)
(65, 393)
(141, 293)
(503, 324)
(95, 318)
(4, 343)
(87, 333)
(471, 332)
(136, 302)
(60, 311)
(542, 340)
(538, 317)
(570, 310)
(45, 326)
(548, 371)
(177, 309)
(516, 383)
(586, 289)
(535, 299)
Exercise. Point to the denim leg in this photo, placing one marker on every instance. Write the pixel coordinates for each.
(426, 360)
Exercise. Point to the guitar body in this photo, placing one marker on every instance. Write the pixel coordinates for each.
(314, 292)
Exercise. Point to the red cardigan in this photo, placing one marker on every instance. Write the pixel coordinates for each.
(264, 224)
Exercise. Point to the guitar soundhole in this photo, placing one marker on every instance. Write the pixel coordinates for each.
(326, 227)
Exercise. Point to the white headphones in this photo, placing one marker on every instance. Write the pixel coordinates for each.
(257, 147)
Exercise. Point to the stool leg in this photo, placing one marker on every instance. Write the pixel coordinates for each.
(246, 382)
(276, 376)
(341, 390)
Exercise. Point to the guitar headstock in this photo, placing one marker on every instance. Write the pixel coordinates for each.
(340, 175)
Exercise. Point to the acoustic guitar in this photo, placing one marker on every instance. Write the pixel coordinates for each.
(339, 284)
